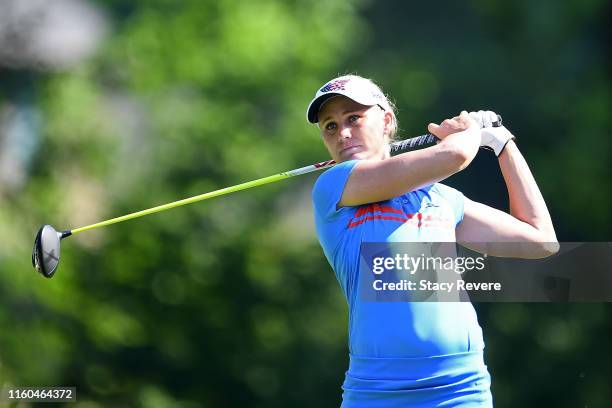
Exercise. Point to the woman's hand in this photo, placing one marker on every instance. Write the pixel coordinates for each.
(460, 133)
(453, 125)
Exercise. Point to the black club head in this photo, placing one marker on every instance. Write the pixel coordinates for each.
(46, 251)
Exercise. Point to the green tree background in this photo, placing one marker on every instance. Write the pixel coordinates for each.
(231, 302)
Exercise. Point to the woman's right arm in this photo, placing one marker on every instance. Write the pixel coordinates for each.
(380, 180)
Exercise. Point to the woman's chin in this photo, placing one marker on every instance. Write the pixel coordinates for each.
(354, 155)
(359, 155)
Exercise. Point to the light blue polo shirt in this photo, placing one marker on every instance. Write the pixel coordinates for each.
(393, 329)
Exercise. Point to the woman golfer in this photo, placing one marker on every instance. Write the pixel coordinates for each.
(413, 354)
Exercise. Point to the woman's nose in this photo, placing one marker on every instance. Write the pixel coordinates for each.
(345, 132)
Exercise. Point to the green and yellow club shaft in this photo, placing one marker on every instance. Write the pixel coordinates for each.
(227, 190)
(395, 147)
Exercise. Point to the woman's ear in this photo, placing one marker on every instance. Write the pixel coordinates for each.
(389, 120)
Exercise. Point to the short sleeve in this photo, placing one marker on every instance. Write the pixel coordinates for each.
(328, 189)
(455, 198)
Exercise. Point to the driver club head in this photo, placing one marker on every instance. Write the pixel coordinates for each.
(46, 251)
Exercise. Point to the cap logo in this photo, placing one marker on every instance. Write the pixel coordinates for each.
(337, 85)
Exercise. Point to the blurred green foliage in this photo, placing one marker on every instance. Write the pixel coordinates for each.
(230, 302)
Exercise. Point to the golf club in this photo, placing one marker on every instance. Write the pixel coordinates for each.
(46, 251)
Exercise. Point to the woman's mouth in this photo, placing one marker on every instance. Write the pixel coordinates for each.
(349, 150)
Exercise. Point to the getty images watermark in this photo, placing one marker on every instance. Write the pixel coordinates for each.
(447, 272)
(422, 263)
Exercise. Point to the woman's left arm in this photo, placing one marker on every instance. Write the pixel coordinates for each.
(528, 225)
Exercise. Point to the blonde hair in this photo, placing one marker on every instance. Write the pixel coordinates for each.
(390, 106)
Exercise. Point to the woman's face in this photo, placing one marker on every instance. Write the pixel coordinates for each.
(354, 131)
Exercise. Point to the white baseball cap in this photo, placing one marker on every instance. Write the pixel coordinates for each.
(361, 90)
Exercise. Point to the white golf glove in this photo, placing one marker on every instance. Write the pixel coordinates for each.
(492, 137)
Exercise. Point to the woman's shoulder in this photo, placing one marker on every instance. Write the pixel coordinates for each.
(443, 189)
(334, 177)
(328, 188)
(436, 192)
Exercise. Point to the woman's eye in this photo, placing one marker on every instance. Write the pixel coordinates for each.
(330, 126)
(353, 118)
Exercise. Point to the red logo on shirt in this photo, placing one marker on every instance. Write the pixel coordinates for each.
(387, 213)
